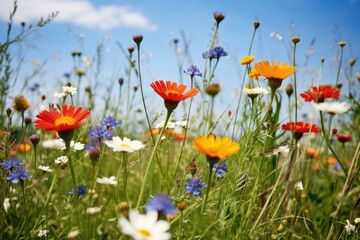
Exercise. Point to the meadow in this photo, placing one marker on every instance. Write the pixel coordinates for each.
(116, 168)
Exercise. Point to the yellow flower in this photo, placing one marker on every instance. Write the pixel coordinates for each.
(24, 147)
(215, 148)
(21, 104)
(246, 60)
(254, 74)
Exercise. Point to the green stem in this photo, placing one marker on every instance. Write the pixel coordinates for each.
(295, 88)
(128, 94)
(151, 160)
(72, 169)
(211, 165)
(338, 73)
(125, 175)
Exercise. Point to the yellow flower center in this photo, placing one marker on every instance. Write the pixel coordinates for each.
(64, 120)
(124, 145)
(144, 232)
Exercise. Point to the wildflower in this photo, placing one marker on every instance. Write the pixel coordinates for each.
(212, 89)
(274, 72)
(109, 122)
(6, 204)
(109, 181)
(320, 93)
(161, 203)
(246, 60)
(254, 92)
(99, 132)
(215, 148)
(181, 206)
(93, 210)
(45, 168)
(57, 144)
(312, 152)
(93, 149)
(220, 169)
(144, 226)
(80, 72)
(18, 175)
(289, 89)
(21, 104)
(349, 227)
(299, 186)
(331, 160)
(81, 190)
(333, 107)
(342, 44)
(343, 138)
(215, 52)
(357, 220)
(11, 163)
(34, 139)
(69, 90)
(193, 168)
(35, 87)
(256, 24)
(218, 16)
(193, 71)
(137, 39)
(121, 82)
(125, 145)
(61, 161)
(123, 208)
(42, 233)
(295, 40)
(300, 128)
(194, 186)
(73, 234)
(172, 93)
(254, 74)
(63, 122)
(24, 147)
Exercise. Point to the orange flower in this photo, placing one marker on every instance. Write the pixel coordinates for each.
(300, 128)
(254, 74)
(312, 152)
(68, 119)
(331, 160)
(172, 93)
(246, 60)
(320, 93)
(275, 73)
(24, 147)
(215, 148)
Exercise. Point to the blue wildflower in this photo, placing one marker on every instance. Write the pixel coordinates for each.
(194, 186)
(109, 122)
(337, 166)
(220, 169)
(11, 163)
(99, 132)
(67, 75)
(18, 175)
(215, 52)
(34, 87)
(161, 203)
(81, 190)
(193, 71)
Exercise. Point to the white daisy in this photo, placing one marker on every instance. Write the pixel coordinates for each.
(45, 168)
(76, 146)
(349, 227)
(42, 233)
(57, 144)
(61, 160)
(145, 226)
(93, 210)
(255, 91)
(125, 145)
(69, 90)
(299, 186)
(60, 95)
(104, 180)
(333, 107)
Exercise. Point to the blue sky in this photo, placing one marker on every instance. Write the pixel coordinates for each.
(319, 24)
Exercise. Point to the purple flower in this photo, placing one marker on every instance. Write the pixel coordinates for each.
(220, 169)
(215, 52)
(11, 163)
(193, 71)
(194, 186)
(161, 203)
(99, 132)
(109, 122)
(35, 87)
(18, 175)
(81, 190)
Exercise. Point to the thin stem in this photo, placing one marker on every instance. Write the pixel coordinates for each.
(125, 175)
(295, 88)
(340, 61)
(72, 169)
(211, 165)
(151, 160)
(128, 93)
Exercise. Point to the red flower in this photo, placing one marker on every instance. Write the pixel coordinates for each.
(343, 138)
(69, 118)
(300, 128)
(320, 93)
(172, 93)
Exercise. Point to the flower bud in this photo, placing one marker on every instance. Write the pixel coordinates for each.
(352, 62)
(295, 40)
(123, 208)
(43, 97)
(342, 44)
(289, 89)
(121, 81)
(218, 16)
(256, 24)
(334, 131)
(8, 112)
(137, 39)
(131, 49)
(27, 120)
(322, 60)
(193, 168)
(212, 89)
(34, 139)
(135, 88)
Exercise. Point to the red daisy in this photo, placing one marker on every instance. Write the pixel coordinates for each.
(172, 93)
(69, 118)
(300, 128)
(320, 93)
(343, 138)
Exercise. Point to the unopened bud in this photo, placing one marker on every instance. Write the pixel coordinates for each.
(212, 89)
(131, 49)
(34, 139)
(193, 168)
(256, 24)
(289, 89)
(135, 88)
(295, 40)
(342, 44)
(27, 120)
(121, 81)
(8, 112)
(218, 16)
(352, 62)
(334, 131)
(137, 39)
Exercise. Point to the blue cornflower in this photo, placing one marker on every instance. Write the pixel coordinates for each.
(81, 190)
(194, 186)
(11, 163)
(99, 132)
(193, 71)
(220, 169)
(161, 203)
(215, 52)
(94, 144)
(67, 75)
(337, 166)
(34, 87)
(109, 122)
(18, 175)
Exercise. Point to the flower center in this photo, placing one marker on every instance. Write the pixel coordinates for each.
(124, 145)
(144, 232)
(64, 120)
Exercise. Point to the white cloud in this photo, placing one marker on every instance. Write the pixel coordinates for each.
(79, 12)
